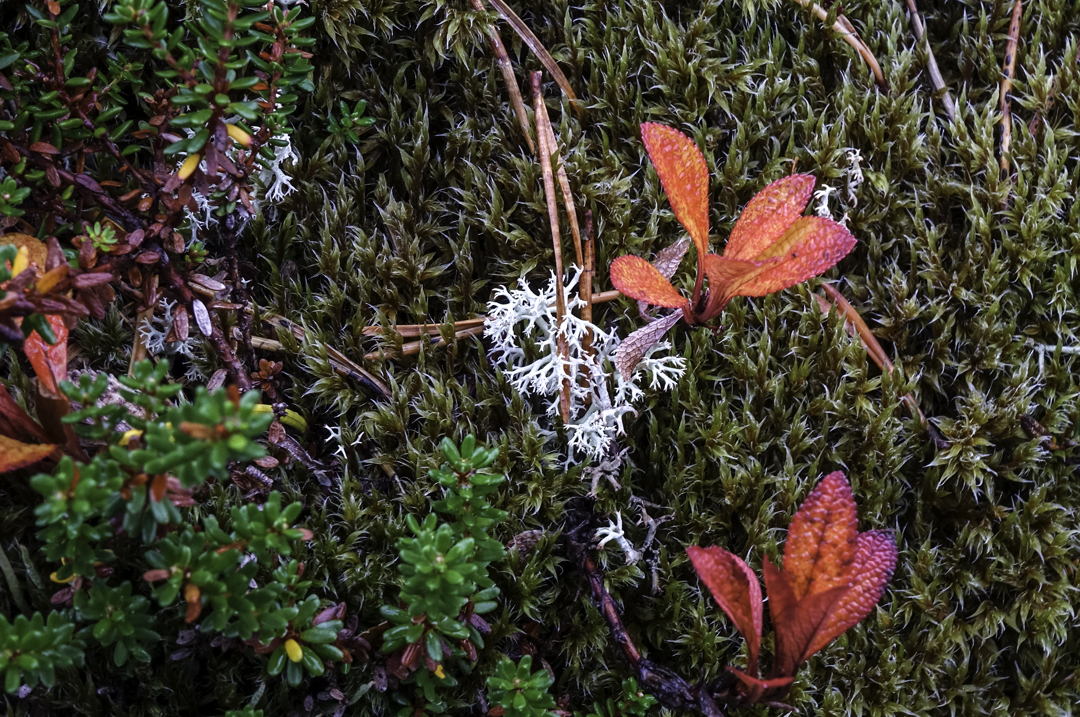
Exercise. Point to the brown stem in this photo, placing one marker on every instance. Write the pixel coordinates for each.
(553, 217)
(847, 31)
(931, 62)
(507, 69)
(1006, 83)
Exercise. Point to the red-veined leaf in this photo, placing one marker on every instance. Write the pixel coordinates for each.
(682, 171)
(810, 246)
(640, 280)
(870, 571)
(822, 538)
(49, 362)
(796, 622)
(16, 454)
(768, 216)
(637, 344)
(736, 590)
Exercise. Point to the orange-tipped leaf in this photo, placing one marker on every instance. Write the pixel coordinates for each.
(16, 454)
(640, 280)
(685, 177)
(809, 247)
(870, 572)
(822, 538)
(768, 216)
(736, 589)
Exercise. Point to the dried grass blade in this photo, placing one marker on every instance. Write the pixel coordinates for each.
(338, 361)
(585, 287)
(847, 31)
(542, 135)
(138, 349)
(856, 327)
(931, 62)
(509, 78)
(413, 347)
(414, 330)
(539, 50)
(564, 185)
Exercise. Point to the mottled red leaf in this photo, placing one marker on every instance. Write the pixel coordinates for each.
(870, 571)
(736, 589)
(637, 344)
(16, 454)
(768, 215)
(822, 538)
(685, 177)
(726, 277)
(809, 247)
(49, 362)
(640, 280)
(796, 622)
(15, 422)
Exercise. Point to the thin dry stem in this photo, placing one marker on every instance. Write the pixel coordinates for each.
(585, 287)
(851, 37)
(857, 328)
(509, 78)
(413, 347)
(1007, 71)
(539, 50)
(564, 185)
(931, 63)
(542, 135)
(414, 330)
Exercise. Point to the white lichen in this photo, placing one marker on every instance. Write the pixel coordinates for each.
(599, 396)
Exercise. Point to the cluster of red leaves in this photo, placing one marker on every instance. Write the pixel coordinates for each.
(771, 247)
(832, 578)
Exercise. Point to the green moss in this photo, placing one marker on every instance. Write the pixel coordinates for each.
(958, 268)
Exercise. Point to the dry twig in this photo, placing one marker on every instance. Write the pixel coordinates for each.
(847, 31)
(931, 63)
(543, 132)
(539, 50)
(1006, 83)
(509, 78)
(858, 328)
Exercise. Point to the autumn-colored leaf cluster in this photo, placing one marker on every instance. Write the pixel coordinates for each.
(771, 247)
(832, 577)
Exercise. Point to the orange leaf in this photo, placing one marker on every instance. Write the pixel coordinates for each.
(822, 538)
(736, 589)
(870, 571)
(640, 280)
(768, 216)
(685, 178)
(49, 362)
(726, 277)
(796, 622)
(16, 454)
(809, 247)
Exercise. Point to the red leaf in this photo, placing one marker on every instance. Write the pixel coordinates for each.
(809, 247)
(870, 571)
(640, 280)
(726, 277)
(685, 178)
(15, 422)
(796, 622)
(736, 589)
(822, 538)
(49, 362)
(756, 688)
(768, 216)
(16, 454)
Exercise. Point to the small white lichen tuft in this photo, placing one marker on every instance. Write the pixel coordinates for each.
(599, 396)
